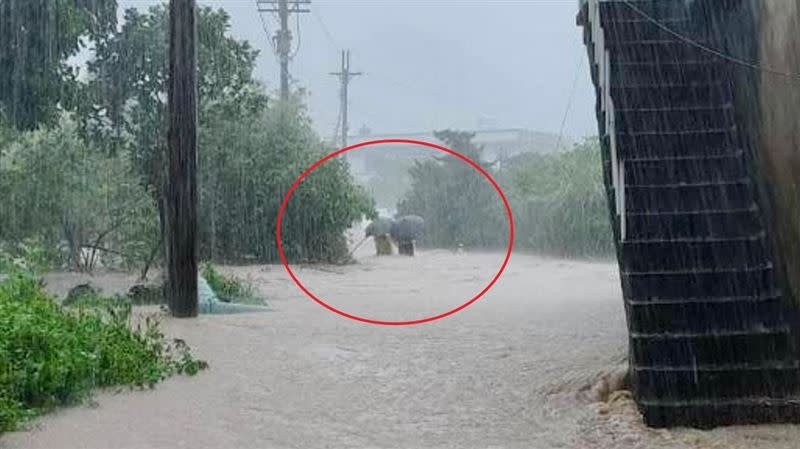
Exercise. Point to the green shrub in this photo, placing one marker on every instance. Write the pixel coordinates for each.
(246, 167)
(51, 355)
(66, 202)
(30, 255)
(229, 288)
(559, 202)
(85, 296)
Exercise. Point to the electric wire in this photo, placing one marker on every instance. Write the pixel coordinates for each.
(569, 101)
(265, 28)
(324, 29)
(706, 48)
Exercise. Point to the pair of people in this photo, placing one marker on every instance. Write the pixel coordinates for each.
(404, 230)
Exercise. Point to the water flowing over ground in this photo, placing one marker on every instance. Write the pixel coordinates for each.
(533, 364)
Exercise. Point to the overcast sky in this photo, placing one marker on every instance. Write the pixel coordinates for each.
(433, 64)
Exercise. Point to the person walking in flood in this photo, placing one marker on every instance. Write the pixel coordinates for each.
(380, 230)
(405, 231)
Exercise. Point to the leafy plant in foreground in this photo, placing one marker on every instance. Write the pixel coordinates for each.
(52, 355)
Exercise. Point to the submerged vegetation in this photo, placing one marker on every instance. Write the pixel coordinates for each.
(52, 355)
(229, 288)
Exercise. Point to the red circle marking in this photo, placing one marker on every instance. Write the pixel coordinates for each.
(410, 142)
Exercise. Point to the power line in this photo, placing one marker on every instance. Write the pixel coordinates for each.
(708, 49)
(376, 76)
(283, 37)
(324, 28)
(332, 41)
(266, 29)
(569, 101)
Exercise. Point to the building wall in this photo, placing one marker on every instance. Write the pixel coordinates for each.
(779, 127)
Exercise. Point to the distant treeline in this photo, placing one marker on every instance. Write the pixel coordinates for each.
(557, 199)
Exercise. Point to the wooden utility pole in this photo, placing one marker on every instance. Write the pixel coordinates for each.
(181, 184)
(283, 37)
(344, 79)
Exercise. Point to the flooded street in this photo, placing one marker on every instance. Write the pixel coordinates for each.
(641, 156)
(521, 368)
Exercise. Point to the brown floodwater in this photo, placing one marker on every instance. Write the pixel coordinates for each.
(533, 364)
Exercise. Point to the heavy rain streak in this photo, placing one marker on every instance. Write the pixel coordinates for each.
(173, 275)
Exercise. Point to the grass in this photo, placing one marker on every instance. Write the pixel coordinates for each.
(53, 355)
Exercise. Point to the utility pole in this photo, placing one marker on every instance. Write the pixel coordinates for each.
(283, 38)
(180, 232)
(344, 79)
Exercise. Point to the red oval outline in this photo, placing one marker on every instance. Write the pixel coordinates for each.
(330, 156)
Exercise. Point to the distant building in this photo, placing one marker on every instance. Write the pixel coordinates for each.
(498, 145)
(383, 169)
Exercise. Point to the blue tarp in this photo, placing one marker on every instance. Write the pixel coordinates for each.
(209, 303)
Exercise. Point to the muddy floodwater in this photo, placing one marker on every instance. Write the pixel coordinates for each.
(531, 365)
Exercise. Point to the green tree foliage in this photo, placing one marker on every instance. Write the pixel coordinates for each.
(86, 187)
(458, 204)
(36, 39)
(129, 84)
(246, 167)
(559, 202)
(75, 200)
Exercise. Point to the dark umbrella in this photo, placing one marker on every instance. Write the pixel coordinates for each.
(408, 228)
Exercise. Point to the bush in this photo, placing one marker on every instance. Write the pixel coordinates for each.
(29, 256)
(229, 288)
(51, 355)
(559, 202)
(72, 202)
(246, 167)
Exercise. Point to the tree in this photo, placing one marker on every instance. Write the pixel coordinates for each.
(247, 164)
(128, 87)
(458, 204)
(72, 197)
(89, 186)
(129, 76)
(36, 38)
(249, 153)
(559, 202)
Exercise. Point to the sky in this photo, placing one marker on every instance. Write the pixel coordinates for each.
(433, 64)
